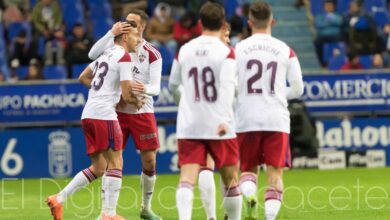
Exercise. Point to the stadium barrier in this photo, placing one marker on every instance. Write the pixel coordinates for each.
(40, 134)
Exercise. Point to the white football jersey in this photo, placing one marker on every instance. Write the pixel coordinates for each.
(203, 67)
(112, 67)
(147, 69)
(265, 64)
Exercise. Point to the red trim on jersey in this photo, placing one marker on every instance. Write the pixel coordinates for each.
(292, 53)
(126, 58)
(177, 55)
(231, 54)
(153, 52)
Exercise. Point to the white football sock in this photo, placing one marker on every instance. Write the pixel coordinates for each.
(232, 202)
(79, 181)
(248, 185)
(273, 203)
(184, 200)
(112, 183)
(207, 192)
(148, 180)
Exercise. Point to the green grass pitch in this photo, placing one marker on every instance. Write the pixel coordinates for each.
(350, 194)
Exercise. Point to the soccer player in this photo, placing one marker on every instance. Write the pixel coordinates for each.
(206, 175)
(205, 67)
(106, 77)
(140, 123)
(262, 118)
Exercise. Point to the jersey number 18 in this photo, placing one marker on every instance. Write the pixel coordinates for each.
(209, 89)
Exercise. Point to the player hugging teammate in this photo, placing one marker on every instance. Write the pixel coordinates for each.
(212, 130)
(202, 80)
(128, 114)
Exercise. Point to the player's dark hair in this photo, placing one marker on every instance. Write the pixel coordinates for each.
(260, 13)
(212, 16)
(142, 14)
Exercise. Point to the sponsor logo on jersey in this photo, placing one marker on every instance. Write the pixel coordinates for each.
(148, 136)
(136, 70)
(60, 154)
(141, 58)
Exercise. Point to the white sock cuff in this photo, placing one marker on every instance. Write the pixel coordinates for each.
(248, 177)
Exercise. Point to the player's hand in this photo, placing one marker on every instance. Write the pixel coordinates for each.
(120, 28)
(222, 129)
(138, 87)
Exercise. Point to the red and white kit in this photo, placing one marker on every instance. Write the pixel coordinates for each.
(205, 67)
(140, 124)
(99, 119)
(265, 64)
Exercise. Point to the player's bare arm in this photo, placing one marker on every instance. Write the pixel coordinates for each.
(86, 77)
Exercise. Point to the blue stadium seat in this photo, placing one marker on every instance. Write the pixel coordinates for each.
(343, 6)
(329, 47)
(373, 5)
(55, 72)
(335, 63)
(32, 3)
(65, 3)
(5, 70)
(41, 46)
(102, 11)
(73, 13)
(100, 27)
(366, 61)
(167, 60)
(77, 69)
(316, 6)
(230, 8)
(382, 18)
(22, 71)
(92, 3)
(15, 28)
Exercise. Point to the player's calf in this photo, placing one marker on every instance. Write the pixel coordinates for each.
(274, 194)
(232, 200)
(112, 182)
(82, 179)
(207, 190)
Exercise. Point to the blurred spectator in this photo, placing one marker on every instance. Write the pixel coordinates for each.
(23, 5)
(12, 14)
(79, 46)
(160, 28)
(2, 77)
(22, 49)
(239, 24)
(178, 7)
(34, 71)
(47, 21)
(360, 28)
(377, 61)
(329, 28)
(384, 35)
(299, 3)
(187, 28)
(353, 63)
(127, 5)
(195, 5)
